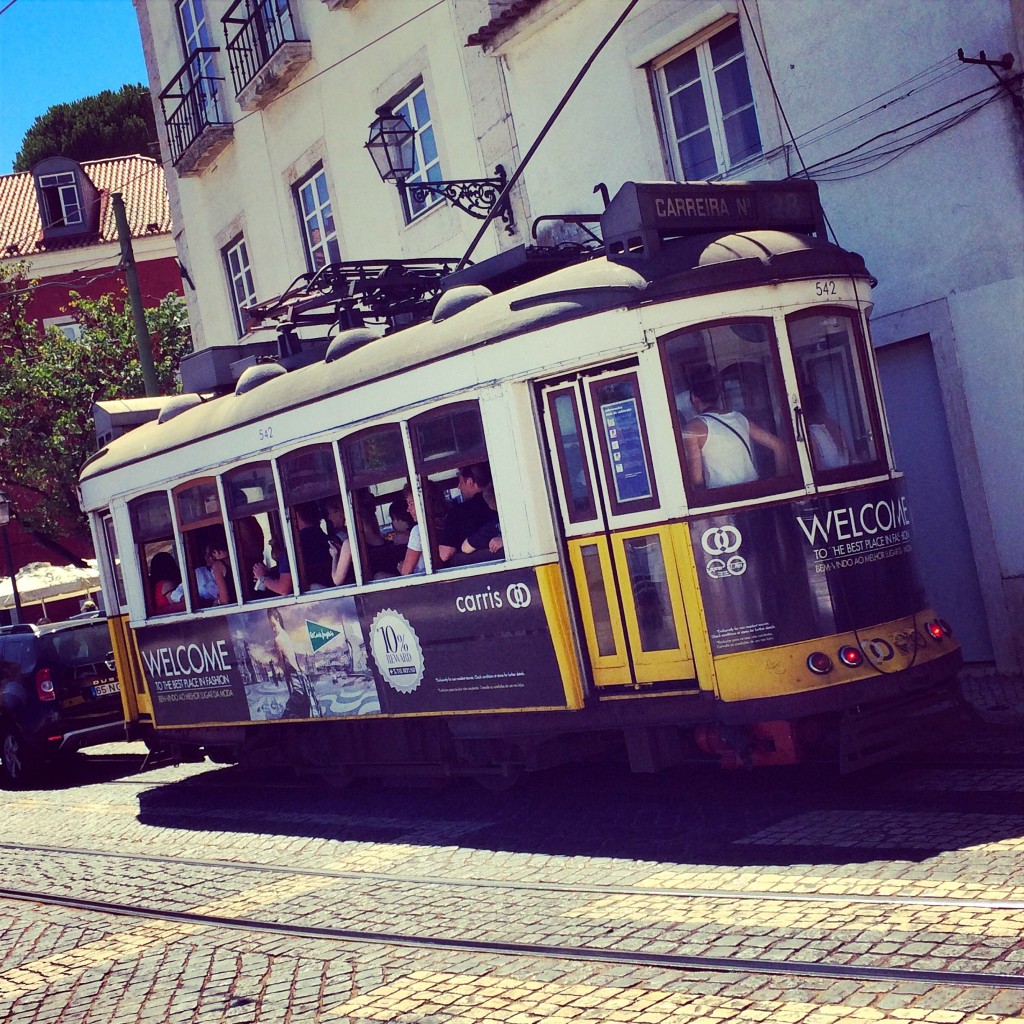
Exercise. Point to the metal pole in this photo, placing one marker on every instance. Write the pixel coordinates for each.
(134, 296)
(16, 611)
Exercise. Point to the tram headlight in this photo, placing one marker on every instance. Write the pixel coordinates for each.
(852, 657)
(819, 663)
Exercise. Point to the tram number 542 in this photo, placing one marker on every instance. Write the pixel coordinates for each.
(823, 288)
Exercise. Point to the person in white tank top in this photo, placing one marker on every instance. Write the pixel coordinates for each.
(717, 443)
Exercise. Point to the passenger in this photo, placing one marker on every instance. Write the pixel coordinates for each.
(467, 516)
(277, 579)
(717, 441)
(250, 540)
(485, 543)
(401, 527)
(412, 563)
(828, 442)
(219, 569)
(337, 538)
(165, 584)
(314, 550)
(379, 553)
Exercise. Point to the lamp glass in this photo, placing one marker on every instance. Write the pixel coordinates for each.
(391, 144)
(5, 509)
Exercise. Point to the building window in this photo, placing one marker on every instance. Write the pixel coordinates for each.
(317, 218)
(61, 200)
(68, 327)
(708, 107)
(239, 271)
(195, 35)
(427, 166)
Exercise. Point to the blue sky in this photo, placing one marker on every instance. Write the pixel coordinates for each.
(55, 51)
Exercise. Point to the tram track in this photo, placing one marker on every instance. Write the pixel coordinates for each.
(700, 963)
(474, 882)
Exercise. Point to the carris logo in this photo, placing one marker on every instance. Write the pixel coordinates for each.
(518, 595)
(721, 540)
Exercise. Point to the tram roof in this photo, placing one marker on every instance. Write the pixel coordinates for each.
(690, 266)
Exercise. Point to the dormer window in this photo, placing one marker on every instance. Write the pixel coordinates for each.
(61, 202)
(69, 203)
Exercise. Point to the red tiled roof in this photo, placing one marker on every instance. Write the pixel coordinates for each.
(139, 179)
(513, 11)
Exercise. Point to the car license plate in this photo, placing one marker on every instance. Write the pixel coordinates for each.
(102, 689)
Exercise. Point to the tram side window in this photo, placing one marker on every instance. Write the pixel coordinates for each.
(734, 431)
(201, 522)
(256, 529)
(377, 474)
(312, 496)
(838, 412)
(463, 521)
(159, 572)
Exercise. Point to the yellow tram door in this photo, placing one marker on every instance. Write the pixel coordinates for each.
(626, 576)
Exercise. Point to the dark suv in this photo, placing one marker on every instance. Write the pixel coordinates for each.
(59, 692)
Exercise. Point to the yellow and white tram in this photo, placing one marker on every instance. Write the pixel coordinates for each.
(705, 547)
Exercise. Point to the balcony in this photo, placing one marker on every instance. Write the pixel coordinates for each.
(197, 129)
(263, 50)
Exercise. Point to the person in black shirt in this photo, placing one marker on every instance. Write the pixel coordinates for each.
(468, 515)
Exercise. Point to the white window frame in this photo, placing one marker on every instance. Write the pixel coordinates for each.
(240, 279)
(65, 185)
(701, 46)
(71, 329)
(327, 249)
(195, 35)
(426, 169)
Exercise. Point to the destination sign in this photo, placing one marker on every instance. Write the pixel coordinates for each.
(665, 209)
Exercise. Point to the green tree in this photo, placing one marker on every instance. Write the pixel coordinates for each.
(107, 124)
(48, 384)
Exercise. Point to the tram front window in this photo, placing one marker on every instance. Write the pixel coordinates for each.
(837, 411)
(734, 432)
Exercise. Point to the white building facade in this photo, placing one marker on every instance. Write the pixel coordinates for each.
(267, 104)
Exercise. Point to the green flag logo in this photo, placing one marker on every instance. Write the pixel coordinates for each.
(320, 635)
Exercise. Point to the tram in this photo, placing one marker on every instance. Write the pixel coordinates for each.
(699, 546)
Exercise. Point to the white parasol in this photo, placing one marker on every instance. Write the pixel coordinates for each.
(40, 581)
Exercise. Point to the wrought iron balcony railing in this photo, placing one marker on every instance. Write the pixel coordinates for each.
(261, 33)
(193, 102)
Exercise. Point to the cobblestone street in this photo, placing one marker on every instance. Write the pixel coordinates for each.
(190, 893)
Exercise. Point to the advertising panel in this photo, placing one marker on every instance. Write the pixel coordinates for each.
(829, 564)
(463, 645)
(471, 644)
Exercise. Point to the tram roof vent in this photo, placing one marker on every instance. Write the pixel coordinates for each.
(349, 341)
(177, 405)
(457, 299)
(643, 216)
(256, 375)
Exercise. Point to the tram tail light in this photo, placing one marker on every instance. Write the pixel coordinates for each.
(852, 657)
(819, 663)
(939, 629)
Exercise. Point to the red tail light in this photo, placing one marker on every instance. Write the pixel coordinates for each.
(44, 685)
(851, 656)
(819, 663)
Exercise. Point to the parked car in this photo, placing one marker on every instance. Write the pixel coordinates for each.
(59, 692)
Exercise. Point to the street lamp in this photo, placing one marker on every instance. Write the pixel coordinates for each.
(5, 518)
(392, 146)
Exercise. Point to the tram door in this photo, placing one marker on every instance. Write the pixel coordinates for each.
(627, 579)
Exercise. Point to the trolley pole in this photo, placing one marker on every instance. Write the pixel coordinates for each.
(124, 236)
